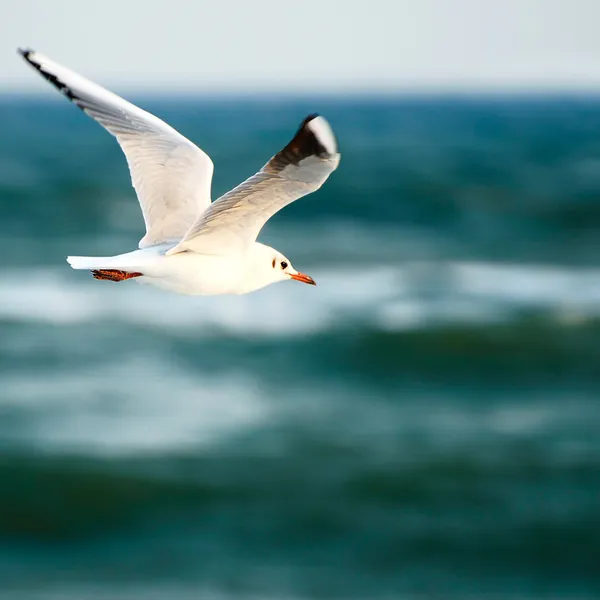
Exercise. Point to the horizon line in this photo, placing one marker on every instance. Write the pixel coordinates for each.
(349, 93)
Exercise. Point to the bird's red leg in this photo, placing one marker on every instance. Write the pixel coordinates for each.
(114, 275)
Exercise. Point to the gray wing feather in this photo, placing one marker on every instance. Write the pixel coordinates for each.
(234, 221)
(171, 175)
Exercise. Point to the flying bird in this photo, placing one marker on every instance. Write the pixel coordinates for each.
(193, 246)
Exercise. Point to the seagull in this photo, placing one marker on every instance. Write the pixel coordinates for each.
(193, 246)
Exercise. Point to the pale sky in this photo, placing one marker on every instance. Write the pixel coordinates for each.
(294, 45)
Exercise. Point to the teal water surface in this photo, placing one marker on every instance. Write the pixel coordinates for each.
(424, 423)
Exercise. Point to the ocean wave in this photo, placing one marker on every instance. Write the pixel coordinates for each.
(413, 295)
(386, 391)
(131, 405)
(311, 493)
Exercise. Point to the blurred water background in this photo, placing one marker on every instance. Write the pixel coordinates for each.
(422, 424)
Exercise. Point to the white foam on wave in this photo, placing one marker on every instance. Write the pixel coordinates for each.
(529, 285)
(488, 292)
(392, 297)
(410, 426)
(135, 406)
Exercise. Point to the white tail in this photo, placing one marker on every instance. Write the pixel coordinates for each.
(89, 263)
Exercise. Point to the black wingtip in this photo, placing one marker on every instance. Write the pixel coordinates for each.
(308, 141)
(308, 119)
(39, 66)
(25, 52)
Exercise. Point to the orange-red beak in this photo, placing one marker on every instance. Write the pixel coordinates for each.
(303, 278)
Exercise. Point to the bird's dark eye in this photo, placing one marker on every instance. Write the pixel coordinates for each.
(284, 265)
(273, 263)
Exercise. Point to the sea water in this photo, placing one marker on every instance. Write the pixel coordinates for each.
(422, 424)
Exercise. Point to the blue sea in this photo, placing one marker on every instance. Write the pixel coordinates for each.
(425, 423)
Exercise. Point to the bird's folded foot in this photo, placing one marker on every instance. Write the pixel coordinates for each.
(114, 275)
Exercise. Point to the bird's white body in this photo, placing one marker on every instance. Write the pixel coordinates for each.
(189, 272)
(193, 246)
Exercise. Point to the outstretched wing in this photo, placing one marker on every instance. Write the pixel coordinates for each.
(170, 174)
(234, 221)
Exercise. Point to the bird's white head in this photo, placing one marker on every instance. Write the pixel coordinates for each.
(267, 265)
